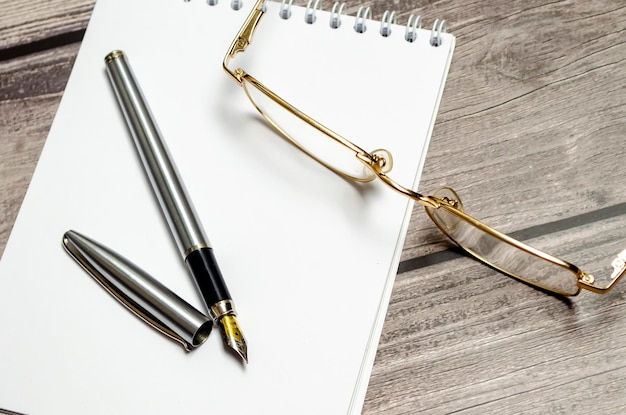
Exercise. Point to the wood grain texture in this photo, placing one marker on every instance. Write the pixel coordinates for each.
(530, 132)
(32, 87)
(24, 22)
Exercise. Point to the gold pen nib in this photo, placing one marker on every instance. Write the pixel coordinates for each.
(234, 336)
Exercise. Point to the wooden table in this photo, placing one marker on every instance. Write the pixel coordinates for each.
(530, 133)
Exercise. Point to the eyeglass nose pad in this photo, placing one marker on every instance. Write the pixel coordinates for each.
(619, 265)
(448, 195)
(385, 158)
(445, 219)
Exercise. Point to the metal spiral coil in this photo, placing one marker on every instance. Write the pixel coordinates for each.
(311, 8)
(388, 21)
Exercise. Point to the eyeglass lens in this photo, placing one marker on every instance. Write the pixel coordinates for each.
(317, 144)
(502, 255)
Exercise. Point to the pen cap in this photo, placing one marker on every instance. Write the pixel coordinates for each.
(152, 301)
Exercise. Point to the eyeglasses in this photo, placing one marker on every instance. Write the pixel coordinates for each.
(444, 207)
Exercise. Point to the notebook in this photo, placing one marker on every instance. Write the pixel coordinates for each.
(309, 257)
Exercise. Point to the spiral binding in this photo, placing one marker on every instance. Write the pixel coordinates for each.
(363, 14)
(309, 14)
(439, 27)
(389, 18)
(414, 23)
(335, 14)
(285, 9)
(234, 4)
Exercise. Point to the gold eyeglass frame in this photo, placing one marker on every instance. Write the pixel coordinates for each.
(380, 162)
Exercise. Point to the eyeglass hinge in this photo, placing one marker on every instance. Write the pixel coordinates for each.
(587, 278)
(244, 37)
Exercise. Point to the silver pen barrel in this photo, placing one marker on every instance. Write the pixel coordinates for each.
(168, 187)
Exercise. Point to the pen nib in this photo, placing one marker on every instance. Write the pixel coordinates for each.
(234, 336)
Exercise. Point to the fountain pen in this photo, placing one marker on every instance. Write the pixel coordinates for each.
(177, 208)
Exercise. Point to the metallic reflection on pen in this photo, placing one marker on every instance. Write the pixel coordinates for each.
(183, 222)
(139, 292)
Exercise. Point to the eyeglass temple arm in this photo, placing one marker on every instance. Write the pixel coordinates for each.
(619, 271)
(244, 38)
(429, 201)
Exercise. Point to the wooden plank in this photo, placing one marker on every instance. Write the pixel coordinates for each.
(25, 22)
(32, 89)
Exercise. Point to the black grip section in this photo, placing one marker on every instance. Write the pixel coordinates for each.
(207, 275)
